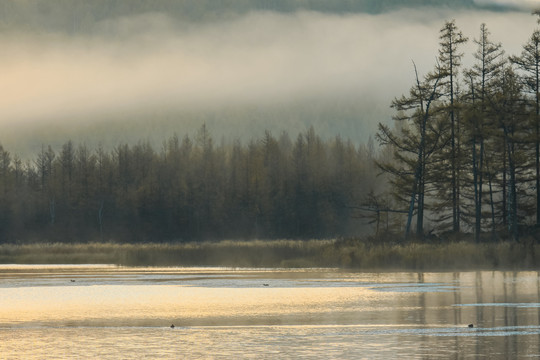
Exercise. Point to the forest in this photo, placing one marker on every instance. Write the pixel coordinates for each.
(191, 189)
(461, 159)
(466, 141)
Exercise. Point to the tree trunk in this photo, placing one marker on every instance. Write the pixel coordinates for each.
(477, 208)
(513, 221)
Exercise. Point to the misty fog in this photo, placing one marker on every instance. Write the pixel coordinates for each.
(146, 76)
(517, 4)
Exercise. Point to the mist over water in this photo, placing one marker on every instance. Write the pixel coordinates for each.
(152, 74)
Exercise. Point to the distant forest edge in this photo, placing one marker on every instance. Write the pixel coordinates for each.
(190, 189)
(81, 16)
(461, 160)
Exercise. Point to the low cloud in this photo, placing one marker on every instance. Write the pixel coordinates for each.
(149, 62)
(516, 4)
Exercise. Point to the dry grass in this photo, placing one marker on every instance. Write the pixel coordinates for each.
(349, 253)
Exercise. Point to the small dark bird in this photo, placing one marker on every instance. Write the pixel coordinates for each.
(471, 325)
(172, 326)
(72, 280)
(265, 285)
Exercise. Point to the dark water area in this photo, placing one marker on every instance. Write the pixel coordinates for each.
(110, 312)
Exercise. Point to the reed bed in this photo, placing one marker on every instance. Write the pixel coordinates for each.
(350, 253)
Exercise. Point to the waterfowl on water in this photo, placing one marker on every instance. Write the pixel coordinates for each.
(471, 325)
(265, 285)
(172, 326)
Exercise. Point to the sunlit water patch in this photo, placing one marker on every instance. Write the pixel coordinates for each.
(110, 312)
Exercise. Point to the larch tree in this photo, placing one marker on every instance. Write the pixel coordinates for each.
(45, 172)
(415, 140)
(450, 61)
(529, 64)
(508, 106)
(487, 69)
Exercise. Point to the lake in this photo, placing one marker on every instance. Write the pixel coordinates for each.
(110, 312)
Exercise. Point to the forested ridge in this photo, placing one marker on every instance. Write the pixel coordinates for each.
(189, 189)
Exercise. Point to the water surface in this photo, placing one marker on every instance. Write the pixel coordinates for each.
(110, 312)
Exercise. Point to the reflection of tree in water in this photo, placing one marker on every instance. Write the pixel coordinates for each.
(494, 289)
(510, 312)
(457, 309)
(422, 300)
(499, 319)
(538, 308)
(479, 309)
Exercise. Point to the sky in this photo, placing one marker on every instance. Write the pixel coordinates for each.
(241, 74)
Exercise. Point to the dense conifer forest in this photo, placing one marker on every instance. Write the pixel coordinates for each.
(461, 157)
(189, 189)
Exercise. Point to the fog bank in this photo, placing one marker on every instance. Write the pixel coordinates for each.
(274, 67)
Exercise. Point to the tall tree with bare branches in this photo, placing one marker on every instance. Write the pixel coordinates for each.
(451, 39)
(529, 64)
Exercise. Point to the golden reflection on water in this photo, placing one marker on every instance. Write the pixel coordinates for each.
(150, 304)
(110, 312)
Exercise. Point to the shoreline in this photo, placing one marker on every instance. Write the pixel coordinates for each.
(341, 253)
